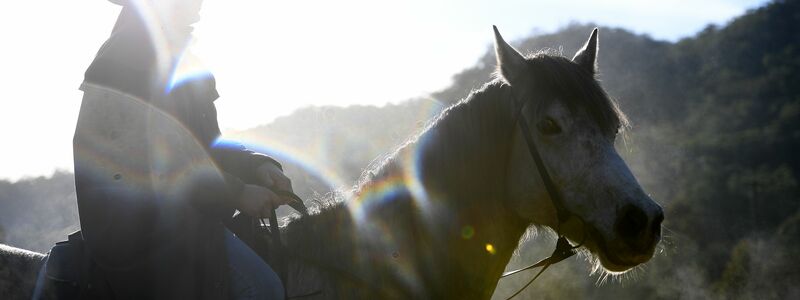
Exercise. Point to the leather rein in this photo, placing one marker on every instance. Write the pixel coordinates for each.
(282, 267)
(563, 248)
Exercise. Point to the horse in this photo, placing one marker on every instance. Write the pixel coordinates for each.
(441, 216)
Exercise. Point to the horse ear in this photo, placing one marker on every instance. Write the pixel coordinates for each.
(587, 56)
(510, 64)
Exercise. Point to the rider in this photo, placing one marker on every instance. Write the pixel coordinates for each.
(153, 183)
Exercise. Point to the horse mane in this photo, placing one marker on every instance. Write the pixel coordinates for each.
(445, 150)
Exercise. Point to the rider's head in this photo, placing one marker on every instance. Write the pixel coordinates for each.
(169, 12)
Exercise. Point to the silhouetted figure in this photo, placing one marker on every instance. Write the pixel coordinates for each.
(153, 183)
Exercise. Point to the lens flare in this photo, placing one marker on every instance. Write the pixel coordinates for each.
(423, 197)
(490, 248)
(186, 69)
(150, 17)
(467, 232)
(123, 139)
(171, 41)
(286, 153)
(377, 194)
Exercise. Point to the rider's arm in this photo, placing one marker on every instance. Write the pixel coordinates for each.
(232, 157)
(236, 159)
(238, 164)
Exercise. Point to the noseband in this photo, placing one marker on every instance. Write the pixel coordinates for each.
(563, 249)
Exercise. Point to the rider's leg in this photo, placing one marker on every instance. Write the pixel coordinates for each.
(39, 288)
(251, 277)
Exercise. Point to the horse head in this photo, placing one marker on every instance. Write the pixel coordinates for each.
(575, 124)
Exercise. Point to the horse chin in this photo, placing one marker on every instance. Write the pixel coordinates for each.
(613, 264)
(613, 257)
(608, 259)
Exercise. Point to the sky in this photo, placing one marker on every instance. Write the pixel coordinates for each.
(273, 57)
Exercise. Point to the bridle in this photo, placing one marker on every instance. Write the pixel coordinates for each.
(563, 249)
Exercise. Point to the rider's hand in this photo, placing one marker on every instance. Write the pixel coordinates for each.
(271, 176)
(257, 201)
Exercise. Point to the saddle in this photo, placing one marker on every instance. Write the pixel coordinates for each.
(70, 273)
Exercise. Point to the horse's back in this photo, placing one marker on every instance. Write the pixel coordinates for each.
(18, 270)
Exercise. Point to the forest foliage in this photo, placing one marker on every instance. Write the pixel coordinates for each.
(715, 139)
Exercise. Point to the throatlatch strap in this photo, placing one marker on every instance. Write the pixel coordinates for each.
(555, 196)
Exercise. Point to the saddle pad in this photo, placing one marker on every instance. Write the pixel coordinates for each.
(64, 262)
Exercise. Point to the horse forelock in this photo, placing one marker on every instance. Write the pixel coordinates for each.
(554, 74)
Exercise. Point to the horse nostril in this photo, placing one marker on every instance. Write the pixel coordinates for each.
(631, 223)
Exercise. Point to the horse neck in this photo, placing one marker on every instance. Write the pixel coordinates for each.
(432, 220)
(463, 169)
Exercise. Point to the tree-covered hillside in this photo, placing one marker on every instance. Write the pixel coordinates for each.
(715, 138)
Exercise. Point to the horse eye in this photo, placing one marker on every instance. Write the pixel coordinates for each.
(549, 127)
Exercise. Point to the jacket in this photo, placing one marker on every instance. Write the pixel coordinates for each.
(152, 186)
